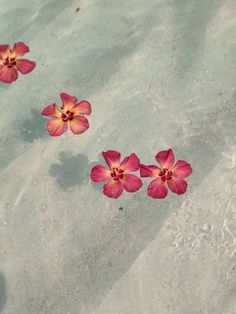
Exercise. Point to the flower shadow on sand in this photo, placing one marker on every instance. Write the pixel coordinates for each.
(72, 170)
(33, 127)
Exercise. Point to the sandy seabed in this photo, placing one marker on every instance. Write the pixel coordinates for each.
(159, 74)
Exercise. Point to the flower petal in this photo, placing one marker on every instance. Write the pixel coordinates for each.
(67, 101)
(4, 49)
(83, 107)
(149, 171)
(130, 163)
(8, 75)
(51, 111)
(25, 66)
(79, 124)
(19, 49)
(157, 189)
(181, 169)
(166, 158)
(177, 186)
(113, 189)
(131, 183)
(99, 173)
(56, 127)
(112, 158)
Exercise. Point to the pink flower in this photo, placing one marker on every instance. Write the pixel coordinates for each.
(116, 176)
(167, 175)
(11, 62)
(71, 113)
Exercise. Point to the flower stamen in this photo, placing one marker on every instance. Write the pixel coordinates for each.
(165, 174)
(67, 116)
(117, 174)
(9, 62)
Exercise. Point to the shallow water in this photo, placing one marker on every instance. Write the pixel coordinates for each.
(159, 74)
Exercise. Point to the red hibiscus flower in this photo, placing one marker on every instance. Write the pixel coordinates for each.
(11, 62)
(167, 175)
(70, 113)
(116, 176)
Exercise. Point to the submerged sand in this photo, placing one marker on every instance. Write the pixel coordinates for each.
(159, 74)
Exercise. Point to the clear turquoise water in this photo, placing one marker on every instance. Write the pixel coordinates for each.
(159, 74)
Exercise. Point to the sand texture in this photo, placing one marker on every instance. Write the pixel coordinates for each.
(159, 74)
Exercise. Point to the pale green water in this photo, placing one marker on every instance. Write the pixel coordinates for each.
(159, 74)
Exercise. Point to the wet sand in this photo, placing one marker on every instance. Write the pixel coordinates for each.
(159, 74)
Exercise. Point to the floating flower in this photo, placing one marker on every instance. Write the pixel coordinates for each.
(167, 175)
(70, 113)
(116, 176)
(11, 62)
